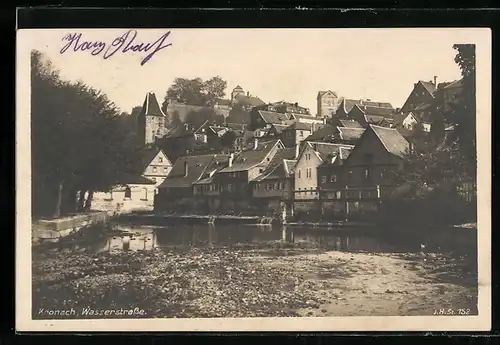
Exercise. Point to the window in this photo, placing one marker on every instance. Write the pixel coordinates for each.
(154, 169)
(221, 187)
(282, 185)
(309, 173)
(301, 133)
(367, 173)
(349, 174)
(323, 179)
(153, 179)
(269, 186)
(165, 170)
(333, 178)
(145, 194)
(261, 170)
(160, 159)
(230, 187)
(128, 193)
(298, 173)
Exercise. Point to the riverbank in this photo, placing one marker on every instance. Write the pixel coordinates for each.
(278, 279)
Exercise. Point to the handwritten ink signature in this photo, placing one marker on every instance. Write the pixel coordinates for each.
(125, 43)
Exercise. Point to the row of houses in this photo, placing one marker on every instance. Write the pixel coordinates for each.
(283, 159)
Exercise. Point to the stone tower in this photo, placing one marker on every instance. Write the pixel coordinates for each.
(327, 103)
(238, 90)
(151, 121)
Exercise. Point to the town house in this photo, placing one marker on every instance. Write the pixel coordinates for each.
(295, 133)
(365, 176)
(176, 191)
(422, 93)
(346, 105)
(264, 119)
(310, 157)
(155, 165)
(233, 180)
(365, 115)
(275, 184)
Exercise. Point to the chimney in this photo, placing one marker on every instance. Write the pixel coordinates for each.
(186, 169)
(255, 143)
(297, 151)
(435, 81)
(248, 94)
(231, 158)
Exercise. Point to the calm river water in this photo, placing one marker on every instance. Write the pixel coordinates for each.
(367, 240)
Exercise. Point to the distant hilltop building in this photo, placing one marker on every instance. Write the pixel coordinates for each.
(327, 103)
(241, 98)
(151, 121)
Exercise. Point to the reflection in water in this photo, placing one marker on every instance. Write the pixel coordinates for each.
(173, 237)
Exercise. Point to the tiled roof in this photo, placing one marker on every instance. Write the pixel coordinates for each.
(273, 117)
(219, 130)
(342, 154)
(196, 167)
(277, 168)
(324, 133)
(429, 86)
(392, 140)
(306, 117)
(350, 124)
(150, 106)
(374, 119)
(147, 155)
(348, 104)
(350, 134)
(327, 149)
(249, 100)
(235, 126)
(279, 128)
(219, 162)
(377, 111)
(299, 126)
(250, 158)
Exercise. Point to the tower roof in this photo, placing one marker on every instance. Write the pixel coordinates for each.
(151, 107)
(238, 88)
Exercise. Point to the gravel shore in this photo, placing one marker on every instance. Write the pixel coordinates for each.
(252, 282)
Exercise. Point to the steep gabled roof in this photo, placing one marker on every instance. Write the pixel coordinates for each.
(249, 100)
(306, 117)
(348, 104)
(250, 158)
(349, 133)
(298, 126)
(277, 168)
(148, 154)
(150, 107)
(428, 86)
(324, 150)
(392, 140)
(273, 117)
(350, 124)
(196, 164)
(219, 162)
(324, 133)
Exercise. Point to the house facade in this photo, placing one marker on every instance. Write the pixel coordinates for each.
(346, 105)
(327, 103)
(422, 93)
(156, 165)
(295, 133)
(273, 189)
(234, 180)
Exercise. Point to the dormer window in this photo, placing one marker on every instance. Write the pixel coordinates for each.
(160, 159)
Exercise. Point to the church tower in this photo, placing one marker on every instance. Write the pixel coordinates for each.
(151, 121)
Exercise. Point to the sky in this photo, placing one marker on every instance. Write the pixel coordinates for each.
(273, 64)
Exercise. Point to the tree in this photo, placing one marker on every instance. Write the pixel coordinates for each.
(227, 140)
(451, 158)
(79, 140)
(196, 91)
(214, 89)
